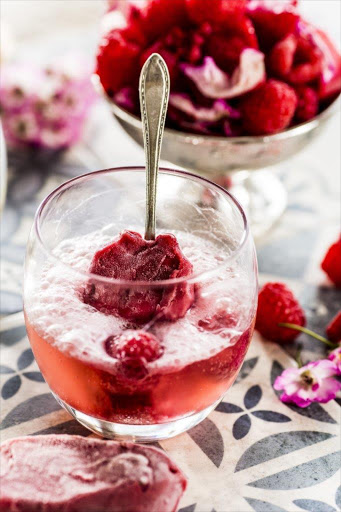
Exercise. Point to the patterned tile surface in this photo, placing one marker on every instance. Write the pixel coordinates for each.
(253, 452)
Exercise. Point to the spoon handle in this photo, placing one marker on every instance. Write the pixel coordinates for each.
(154, 94)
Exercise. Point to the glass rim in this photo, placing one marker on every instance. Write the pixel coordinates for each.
(125, 282)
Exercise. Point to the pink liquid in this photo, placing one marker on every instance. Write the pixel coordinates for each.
(198, 364)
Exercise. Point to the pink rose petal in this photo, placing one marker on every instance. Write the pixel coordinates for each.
(212, 82)
(219, 109)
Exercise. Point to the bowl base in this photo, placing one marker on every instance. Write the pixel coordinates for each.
(138, 433)
(262, 196)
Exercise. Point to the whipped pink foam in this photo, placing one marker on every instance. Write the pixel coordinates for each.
(56, 311)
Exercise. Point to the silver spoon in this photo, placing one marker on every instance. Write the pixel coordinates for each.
(154, 94)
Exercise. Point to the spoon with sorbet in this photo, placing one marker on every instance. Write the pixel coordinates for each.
(134, 258)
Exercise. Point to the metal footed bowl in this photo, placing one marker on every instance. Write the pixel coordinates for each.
(236, 162)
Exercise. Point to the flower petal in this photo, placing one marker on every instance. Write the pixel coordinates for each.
(295, 399)
(212, 82)
(328, 390)
(219, 109)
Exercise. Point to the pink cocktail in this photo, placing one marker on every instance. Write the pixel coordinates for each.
(130, 357)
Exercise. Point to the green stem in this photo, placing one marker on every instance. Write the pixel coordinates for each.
(299, 358)
(309, 332)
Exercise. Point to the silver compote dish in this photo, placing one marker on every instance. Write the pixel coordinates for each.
(243, 164)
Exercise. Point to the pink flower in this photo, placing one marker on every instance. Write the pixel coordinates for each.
(335, 357)
(313, 382)
(45, 107)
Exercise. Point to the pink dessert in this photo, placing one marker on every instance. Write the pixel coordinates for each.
(75, 474)
(132, 258)
(220, 54)
(137, 353)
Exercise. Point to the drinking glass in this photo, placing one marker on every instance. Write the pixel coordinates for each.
(203, 322)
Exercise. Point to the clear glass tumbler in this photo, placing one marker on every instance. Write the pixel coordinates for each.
(188, 335)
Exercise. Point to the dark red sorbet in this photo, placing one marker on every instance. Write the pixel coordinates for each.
(131, 258)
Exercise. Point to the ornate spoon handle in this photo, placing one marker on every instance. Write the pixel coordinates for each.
(154, 94)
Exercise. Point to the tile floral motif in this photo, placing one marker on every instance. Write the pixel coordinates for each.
(242, 424)
(13, 383)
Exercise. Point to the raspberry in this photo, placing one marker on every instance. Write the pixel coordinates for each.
(217, 12)
(330, 80)
(281, 57)
(134, 349)
(134, 344)
(331, 263)
(133, 31)
(272, 26)
(117, 62)
(159, 16)
(307, 63)
(131, 258)
(269, 108)
(226, 48)
(308, 104)
(245, 29)
(333, 330)
(295, 59)
(277, 304)
(225, 51)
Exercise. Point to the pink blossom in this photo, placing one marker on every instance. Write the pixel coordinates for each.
(45, 107)
(335, 357)
(313, 382)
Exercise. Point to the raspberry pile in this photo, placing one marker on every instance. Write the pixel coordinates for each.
(237, 67)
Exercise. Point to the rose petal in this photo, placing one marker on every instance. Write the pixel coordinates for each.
(219, 109)
(328, 390)
(212, 82)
